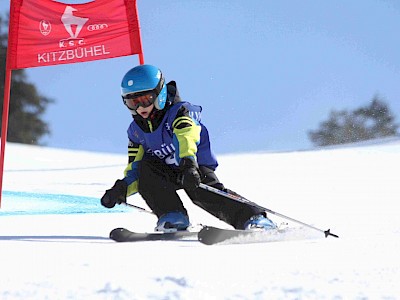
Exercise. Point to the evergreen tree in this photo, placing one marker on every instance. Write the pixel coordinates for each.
(26, 104)
(370, 122)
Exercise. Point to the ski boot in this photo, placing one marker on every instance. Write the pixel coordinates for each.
(172, 222)
(259, 222)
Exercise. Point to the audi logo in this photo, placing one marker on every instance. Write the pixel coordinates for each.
(97, 27)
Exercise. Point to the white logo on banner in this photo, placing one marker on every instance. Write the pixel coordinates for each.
(45, 27)
(72, 22)
(69, 20)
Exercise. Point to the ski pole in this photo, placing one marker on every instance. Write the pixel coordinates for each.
(138, 208)
(244, 200)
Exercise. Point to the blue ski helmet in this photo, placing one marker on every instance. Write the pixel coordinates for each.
(144, 78)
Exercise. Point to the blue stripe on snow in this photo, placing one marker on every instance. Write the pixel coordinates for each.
(24, 203)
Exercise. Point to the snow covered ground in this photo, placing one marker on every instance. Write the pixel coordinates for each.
(54, 245)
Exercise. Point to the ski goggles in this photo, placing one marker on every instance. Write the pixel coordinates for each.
(143, 99)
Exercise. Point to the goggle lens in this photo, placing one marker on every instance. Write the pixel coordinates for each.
(134, 100)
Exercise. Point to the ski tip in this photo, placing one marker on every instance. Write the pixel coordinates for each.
(203, 236)
(328, 233)
(115, 231)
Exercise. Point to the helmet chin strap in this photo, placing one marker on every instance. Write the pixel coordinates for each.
(153, 111)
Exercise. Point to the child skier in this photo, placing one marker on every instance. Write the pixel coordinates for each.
(169, 149)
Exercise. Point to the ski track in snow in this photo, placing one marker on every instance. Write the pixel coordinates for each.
(54, 233)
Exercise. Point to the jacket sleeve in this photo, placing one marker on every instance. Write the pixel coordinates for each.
(186, 135)
(135, 154)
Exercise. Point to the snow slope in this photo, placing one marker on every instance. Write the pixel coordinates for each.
(54, 245)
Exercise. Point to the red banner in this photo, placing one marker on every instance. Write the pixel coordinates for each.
(45, 32)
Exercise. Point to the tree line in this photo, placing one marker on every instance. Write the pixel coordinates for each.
(368, 122)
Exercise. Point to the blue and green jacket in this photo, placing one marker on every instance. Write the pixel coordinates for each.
(168, 135)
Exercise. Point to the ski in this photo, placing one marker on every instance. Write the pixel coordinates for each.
(125, 235)
(212, 235)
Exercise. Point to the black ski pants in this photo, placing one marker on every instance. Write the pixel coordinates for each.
(158, 184)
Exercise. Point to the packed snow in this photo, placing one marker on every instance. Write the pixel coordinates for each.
(54, 233)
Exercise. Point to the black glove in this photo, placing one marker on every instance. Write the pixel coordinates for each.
(190, 172)
(117, 194)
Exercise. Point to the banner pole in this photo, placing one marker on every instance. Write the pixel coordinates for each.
(141, 58)
(141, 55)
(4, 125)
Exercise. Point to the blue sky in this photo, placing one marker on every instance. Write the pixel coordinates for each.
(265, 72)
